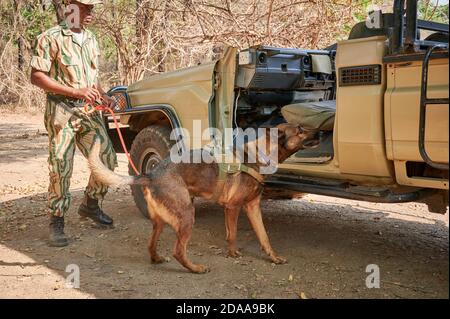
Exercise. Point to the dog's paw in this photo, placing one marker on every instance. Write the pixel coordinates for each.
(200, 269)
(158, 260)
(278, 260)
(234, 253)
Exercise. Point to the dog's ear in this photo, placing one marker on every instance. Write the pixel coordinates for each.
(283, 126)
(288, 129)
(281, 134)
(284, 131)
(292, 131)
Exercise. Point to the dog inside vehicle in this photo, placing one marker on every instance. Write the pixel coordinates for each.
(170, 187)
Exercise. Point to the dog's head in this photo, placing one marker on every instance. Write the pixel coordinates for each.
(291, 138)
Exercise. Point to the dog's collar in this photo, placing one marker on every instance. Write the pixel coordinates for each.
(233, 168)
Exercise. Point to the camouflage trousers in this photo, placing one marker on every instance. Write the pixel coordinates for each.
(67, 130)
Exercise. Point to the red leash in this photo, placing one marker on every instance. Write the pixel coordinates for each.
(108, 109)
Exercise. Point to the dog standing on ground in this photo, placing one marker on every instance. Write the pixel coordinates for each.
(170, 187)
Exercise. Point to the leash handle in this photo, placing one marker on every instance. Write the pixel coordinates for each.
(90, 108)
(102, 107)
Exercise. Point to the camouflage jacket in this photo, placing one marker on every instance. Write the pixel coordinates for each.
(68, 62)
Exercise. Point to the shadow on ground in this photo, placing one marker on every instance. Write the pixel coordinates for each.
(328, 247)
(22, 142)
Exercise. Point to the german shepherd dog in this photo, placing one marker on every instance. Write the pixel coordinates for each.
(170, 187)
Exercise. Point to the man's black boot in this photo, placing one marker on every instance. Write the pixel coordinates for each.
(57, 238)
(89, 208)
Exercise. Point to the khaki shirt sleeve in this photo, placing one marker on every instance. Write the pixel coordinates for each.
(43, 55)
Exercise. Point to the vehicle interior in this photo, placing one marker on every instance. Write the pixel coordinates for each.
(298, 86)
(276, 85)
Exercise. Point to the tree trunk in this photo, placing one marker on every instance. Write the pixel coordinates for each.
(21, 50)
(17, 5)
(60, 9)
(143, 20)
(161, 62)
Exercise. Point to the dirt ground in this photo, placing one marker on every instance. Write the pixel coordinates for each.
(328, 242)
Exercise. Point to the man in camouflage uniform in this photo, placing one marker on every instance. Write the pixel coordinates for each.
(65, 65)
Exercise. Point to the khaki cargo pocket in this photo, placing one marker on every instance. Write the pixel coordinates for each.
(61, 116)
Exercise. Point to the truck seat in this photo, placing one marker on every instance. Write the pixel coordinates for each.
(312, 115)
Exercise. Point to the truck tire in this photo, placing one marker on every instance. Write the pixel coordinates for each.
(150, 147)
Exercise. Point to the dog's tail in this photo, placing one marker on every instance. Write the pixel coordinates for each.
(103, 174)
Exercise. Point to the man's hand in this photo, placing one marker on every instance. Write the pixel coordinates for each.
(42, 80)
(108, 101)
(89, 94)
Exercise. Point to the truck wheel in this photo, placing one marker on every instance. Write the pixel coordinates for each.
(150, 147)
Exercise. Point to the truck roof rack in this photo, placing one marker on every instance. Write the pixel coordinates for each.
(403, 37)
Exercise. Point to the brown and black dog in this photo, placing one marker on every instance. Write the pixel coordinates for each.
(170, 187)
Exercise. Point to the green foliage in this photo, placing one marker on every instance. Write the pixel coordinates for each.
(37, 20)
(429, 11)
(29, 22)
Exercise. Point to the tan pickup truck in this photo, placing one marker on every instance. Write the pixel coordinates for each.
(379, 100)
